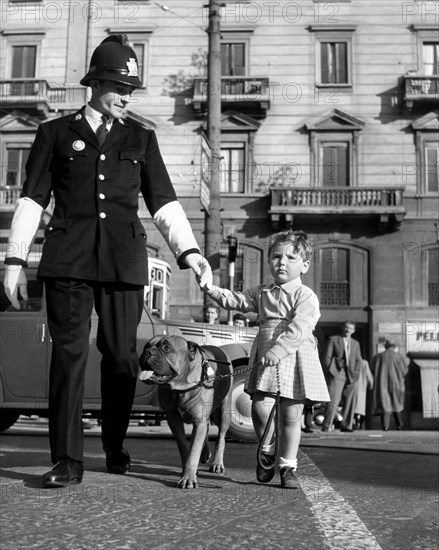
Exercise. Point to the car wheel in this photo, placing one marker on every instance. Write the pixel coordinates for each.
(241, 425)
(7, 419)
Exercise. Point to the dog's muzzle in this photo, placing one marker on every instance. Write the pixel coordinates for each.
(151, 362)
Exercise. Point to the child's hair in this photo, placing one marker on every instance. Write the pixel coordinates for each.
(298, 239)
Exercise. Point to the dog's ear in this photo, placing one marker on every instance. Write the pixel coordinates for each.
(192, 349)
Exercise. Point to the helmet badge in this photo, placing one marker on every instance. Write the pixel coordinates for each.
(132, 67)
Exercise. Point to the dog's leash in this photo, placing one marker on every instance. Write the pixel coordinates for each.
(274, 417)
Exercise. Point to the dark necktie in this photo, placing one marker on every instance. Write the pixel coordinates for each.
(102, 132)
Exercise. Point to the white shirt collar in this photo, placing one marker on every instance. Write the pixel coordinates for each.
(94, 118)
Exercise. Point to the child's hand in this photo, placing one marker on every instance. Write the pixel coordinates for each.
(204, 283)
(270, 359)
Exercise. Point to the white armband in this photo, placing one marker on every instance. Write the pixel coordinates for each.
(175, 228)
(25, 223)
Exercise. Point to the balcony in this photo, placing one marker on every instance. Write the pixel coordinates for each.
(38, 96)
(421, 90)
(242, 93)
(8, 197)
(371, 202)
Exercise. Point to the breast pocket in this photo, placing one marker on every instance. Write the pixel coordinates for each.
(131, 162)
(74, 164)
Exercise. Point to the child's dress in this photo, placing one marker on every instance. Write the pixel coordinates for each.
(287, 316)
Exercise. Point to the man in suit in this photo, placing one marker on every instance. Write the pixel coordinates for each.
(342, 361)
(95, 164)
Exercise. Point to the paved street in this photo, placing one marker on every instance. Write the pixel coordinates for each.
(367, 490)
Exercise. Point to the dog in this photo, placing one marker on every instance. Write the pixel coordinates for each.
(191, 390)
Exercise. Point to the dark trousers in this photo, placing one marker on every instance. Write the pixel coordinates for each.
(338, 387)
(69, 308)
(385, 420)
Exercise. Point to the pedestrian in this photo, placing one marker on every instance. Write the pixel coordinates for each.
(239, 320)
(389, 369)
(288, 312)
(343, 362)
(365, 382)
(211, 313)
(95, 163)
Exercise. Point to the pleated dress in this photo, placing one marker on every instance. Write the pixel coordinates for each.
(287, 316)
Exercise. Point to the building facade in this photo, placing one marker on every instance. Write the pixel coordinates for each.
(330, 124)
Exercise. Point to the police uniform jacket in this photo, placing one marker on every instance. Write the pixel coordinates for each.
(95, 232)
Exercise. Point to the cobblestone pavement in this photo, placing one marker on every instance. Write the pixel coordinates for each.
(144, 510)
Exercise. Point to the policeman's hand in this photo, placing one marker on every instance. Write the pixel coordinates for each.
(200, 266)
(270, 359)
(15, 282)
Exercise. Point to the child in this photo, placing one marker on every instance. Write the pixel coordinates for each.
(287, 312)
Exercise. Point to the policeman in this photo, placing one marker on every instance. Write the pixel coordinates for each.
(95, 163)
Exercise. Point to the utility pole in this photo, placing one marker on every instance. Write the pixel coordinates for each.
(213, 231)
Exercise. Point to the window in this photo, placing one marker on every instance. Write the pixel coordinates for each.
(333, 63)
(334, 286)
(334, 163)
(233, 59)
(334, 148)
(430, 58)
(15, 168)
(237, 145)
(23, 61)
(340, 273)
(431, 168)
(433, 276)
(334, 55)
(232, 168)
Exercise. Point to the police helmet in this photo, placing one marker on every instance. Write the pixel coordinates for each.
(113, 60)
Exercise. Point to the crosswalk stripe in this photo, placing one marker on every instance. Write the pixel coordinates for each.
(343, 529)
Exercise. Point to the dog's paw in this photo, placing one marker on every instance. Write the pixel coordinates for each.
(187, 483)
(217, 468)
(188, 480)
(205, 455)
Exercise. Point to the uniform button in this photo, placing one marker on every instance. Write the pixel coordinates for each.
(101, 196)
(101, 177)
(102, 215)
(135, 162)
(50, 228)
(102, 157)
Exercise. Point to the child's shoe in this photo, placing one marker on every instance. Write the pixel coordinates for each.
(288, 479)
(263, 475)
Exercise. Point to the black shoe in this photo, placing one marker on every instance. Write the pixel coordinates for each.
(325, 429)
(265, 475)
(346, 430)
(118, 462)
(65, 472)
(307, 431)
(288, 479)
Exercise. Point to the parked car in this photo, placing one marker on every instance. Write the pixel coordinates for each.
(26, 351)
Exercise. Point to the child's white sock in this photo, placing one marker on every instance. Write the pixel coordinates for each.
(268, 449)
(288, 463)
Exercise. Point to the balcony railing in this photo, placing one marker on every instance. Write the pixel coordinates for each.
(421, 89)
(38, 94)
(236, 90)
(334, 294)
(358, 201)
(8, 197)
